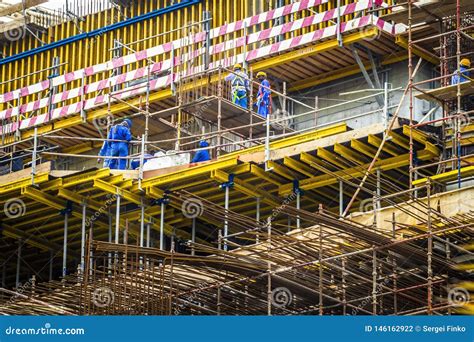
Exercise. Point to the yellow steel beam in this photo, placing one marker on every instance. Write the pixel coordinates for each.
(447, 176)
(359, 171)
(298, 166)
(52, 185)
(85, 177)
(363, 148)
(422, 138)
(327, 156)
(81, 148)
(244, 187)
(349, 154)
(294, 140)
(267, 176)
(198, 170)
(78, 199)
(154, 192)
(18, 184)
(399, 140)
(387, 147)
(115, 190)
(281, 170)
(417, 50)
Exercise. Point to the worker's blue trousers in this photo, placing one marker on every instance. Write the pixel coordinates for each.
(263, 110)
(119, 149)
(240, 98)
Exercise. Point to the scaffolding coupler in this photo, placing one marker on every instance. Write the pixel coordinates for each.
(296, 187)
(67, 209)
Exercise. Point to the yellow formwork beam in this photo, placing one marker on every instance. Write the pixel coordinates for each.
(447, 176)
(349, 154)
(115, 190)
(420, 52)
(85, 177)
(327, 156)
(181, 175)
(359, 146)
(267, 176)
(244, 187)
(19, 184)
(32, 240)
(354, 172)
(387, 147)
(294, 140)
(78, 199)
(422, 138)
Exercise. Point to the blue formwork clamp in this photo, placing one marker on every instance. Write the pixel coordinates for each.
(229, 183)
(296, 187)
(163, 200)
(67, 209)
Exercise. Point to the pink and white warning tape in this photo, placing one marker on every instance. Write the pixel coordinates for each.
(163, 48)
(165, 81)
(166, 65)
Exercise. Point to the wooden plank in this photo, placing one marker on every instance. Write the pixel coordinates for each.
(44, 167)
(447, 93)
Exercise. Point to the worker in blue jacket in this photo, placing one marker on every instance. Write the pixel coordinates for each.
(202, 155)
(264, 100)
(463, 74)
(120, 148)
(106, 151)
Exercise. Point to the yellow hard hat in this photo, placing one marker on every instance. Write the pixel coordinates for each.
(465, 62)
(261, 73)
(237, 66)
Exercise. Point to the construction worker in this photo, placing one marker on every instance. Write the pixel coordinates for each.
(240, 86)
(202, 155)
(463, 74)
(264, 100)
(106, 151)
(120, 148)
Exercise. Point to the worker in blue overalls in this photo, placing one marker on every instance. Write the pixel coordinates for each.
(264, 100)
(202, 155)
(463, 74)
(135, 163)
(106, 151)
(120, 148)
(240, 86)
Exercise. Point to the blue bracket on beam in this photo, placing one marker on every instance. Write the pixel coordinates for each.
(100, 31)
(296, 187)
(66, 210)
(228, 184)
